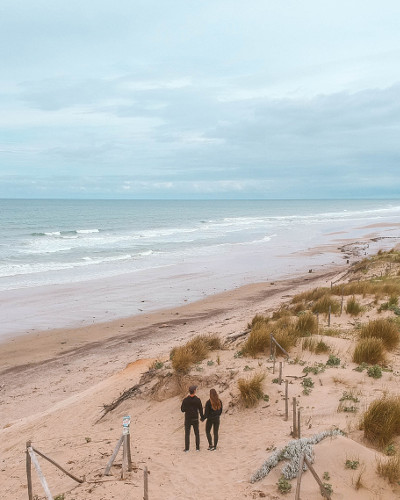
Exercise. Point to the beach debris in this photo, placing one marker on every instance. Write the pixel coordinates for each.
(293, 452)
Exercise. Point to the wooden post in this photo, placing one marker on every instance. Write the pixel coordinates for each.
(129, 453)
(324, 492)
(299, 474)
(146, 484)
(294, 418)
(115, 452)
(124, 457)
(58, 466)
(280, 373)
(40, 474)
(286, 401)
(273, 359)
(329, 316)
(298, 424)
(29, 470)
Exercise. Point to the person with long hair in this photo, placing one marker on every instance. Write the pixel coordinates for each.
(212, 413)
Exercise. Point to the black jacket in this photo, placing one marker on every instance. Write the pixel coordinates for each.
(192, 406)
(210, 413)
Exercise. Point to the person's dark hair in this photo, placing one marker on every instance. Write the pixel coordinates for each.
(214, 399)
(192, 389)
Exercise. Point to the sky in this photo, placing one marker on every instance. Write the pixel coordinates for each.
(199, 99)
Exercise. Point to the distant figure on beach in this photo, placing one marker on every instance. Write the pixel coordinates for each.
(212, 412)
(192, 407)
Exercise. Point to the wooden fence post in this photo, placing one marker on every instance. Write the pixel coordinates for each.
(280, 373)
(286, 401)
(40, 474)
(29, 470)
(298, 424)
(146, 483)
(322, 488)
(299, 474)
(294, 418)
(115, 452)
(329, 316)
(58, 466)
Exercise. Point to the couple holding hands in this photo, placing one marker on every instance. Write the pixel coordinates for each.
(192, 407)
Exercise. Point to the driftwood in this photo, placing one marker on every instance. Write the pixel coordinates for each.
(128, 393)
(235, 336)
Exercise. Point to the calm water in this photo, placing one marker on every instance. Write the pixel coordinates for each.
(224, 243)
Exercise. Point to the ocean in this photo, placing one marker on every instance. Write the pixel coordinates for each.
(102, 259)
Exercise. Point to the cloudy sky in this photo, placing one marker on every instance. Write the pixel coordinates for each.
(200, 99)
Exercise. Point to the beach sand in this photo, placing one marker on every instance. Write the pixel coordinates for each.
(54, 385)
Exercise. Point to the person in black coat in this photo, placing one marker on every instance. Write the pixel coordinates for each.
(212, 412)
(192, 407)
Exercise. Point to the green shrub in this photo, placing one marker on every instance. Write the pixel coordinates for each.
(352, 464)
(333, 360)
(283, 485)
(374, 371)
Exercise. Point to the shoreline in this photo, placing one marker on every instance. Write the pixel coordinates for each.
(55, 384)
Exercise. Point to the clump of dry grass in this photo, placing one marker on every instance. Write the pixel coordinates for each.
(306, 324)
(369, 350)
(381, 421)
(322, 305)
(389, 468)
(353, 307)
(251, 389)
(282, 312)
(318, 346)
(258, 320)
(382, 329)
(257, 341)
(197, 349)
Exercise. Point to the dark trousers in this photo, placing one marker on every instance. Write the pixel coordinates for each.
(188, 425)
(215, 424)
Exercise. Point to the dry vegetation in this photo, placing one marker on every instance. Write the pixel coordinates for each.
(381, 421)
(251, 389)
(194, 351)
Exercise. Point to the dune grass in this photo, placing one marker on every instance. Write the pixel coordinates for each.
(383, 329)
(353, 307)
(317, 346)
(194, 351)
(381, 421)
(306, 324)
(389, 468)
(369, 350)
(251, 389)
(258, 340)
(322, 305)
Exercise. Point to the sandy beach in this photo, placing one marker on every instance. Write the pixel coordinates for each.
(54, 385)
